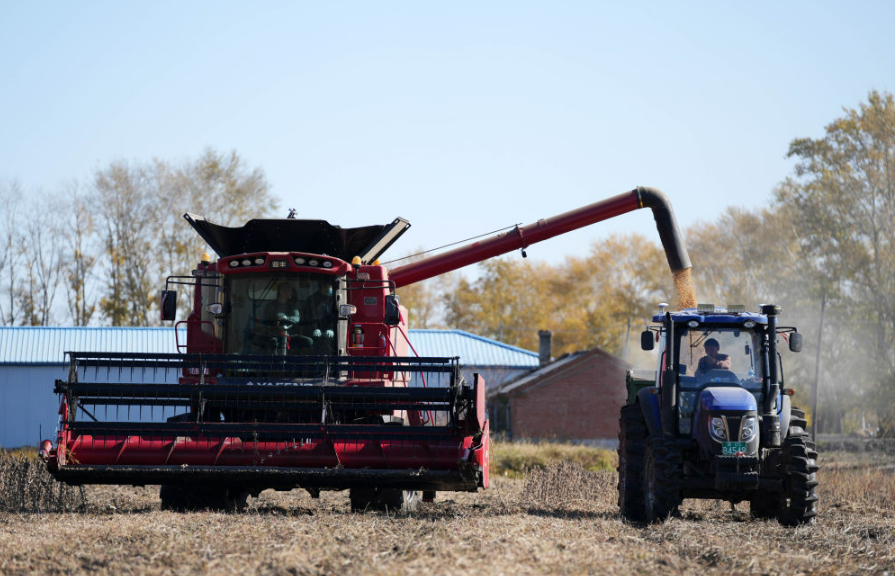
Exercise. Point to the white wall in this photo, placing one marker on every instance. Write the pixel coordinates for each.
(28, 407)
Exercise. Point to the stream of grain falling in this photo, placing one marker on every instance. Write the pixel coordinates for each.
(683, 285)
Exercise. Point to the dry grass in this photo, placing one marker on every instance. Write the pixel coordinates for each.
(559, 520)
(518, 458)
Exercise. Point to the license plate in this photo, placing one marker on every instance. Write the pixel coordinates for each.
(733, 448)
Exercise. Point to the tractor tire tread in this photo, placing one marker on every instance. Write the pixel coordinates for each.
(662, 472)
(799, 502)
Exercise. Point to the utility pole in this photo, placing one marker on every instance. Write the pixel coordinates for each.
(820, 335)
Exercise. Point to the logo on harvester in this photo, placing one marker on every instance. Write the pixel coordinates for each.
(251, 382)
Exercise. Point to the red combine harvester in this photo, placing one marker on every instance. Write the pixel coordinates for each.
(295, 373)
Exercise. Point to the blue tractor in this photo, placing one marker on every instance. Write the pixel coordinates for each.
(716, 421)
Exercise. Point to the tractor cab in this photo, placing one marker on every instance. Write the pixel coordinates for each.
(706, 349)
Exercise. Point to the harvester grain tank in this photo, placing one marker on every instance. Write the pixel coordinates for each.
(295, 371)
(716, 420)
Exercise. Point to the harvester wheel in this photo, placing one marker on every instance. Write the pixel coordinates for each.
(662, 465)
(188, 498)
(631, 438)
(799, 502)
(391, 500)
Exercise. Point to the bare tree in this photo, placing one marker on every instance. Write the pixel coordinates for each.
(79, 232)
(44, 259)
(138, 209)
(10, 253)
(125, 204)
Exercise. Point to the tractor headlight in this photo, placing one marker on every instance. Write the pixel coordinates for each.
(750, 427)
(687, 402)
(718, 429)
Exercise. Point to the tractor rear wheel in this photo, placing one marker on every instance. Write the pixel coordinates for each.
(797, 419)
(390, 500)
(662, 465)
(799, 501)
(631, 439)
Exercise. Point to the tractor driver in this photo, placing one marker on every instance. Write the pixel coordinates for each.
(713, 359)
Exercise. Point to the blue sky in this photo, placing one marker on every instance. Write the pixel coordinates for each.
(462, 117)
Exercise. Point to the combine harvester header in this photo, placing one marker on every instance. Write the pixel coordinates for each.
(296, 372)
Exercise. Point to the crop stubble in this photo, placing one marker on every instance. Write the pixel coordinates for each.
(561, 520)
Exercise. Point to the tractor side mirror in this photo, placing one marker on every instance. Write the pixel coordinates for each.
(795, 342)
(392, 310)
(647, 341)
(169, 305)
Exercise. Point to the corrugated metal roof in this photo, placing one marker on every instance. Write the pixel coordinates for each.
(39, 345)
(473, 350)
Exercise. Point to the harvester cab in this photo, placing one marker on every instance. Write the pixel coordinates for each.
(716, 421)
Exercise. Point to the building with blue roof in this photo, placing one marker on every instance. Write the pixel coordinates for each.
(33, 358)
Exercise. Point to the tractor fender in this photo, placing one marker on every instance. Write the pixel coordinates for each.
(648, 399)
(785, 413)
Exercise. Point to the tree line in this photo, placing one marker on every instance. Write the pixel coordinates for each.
(104, 248)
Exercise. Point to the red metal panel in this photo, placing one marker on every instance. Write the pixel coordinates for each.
(518, 238)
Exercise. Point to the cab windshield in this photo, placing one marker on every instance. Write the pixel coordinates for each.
(282, 315)
(718, 355)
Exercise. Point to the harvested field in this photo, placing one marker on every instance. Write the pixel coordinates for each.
(559, 520)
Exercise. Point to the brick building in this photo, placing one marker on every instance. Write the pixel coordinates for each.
(577, 398)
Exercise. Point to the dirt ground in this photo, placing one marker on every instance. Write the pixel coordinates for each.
(564, 521)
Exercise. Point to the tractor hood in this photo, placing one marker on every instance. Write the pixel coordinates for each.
(726, 398)
(292, 235)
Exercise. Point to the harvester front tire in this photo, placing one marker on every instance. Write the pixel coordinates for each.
(189, 498)
(662, 466)
(799, 501)
(391, 500)
(631, 438)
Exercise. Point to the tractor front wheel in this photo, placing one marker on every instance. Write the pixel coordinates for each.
(765, 505)
(799, 502)
(662, 465)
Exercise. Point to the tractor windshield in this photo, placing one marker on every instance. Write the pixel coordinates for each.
(719, 355)
(282, 315)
